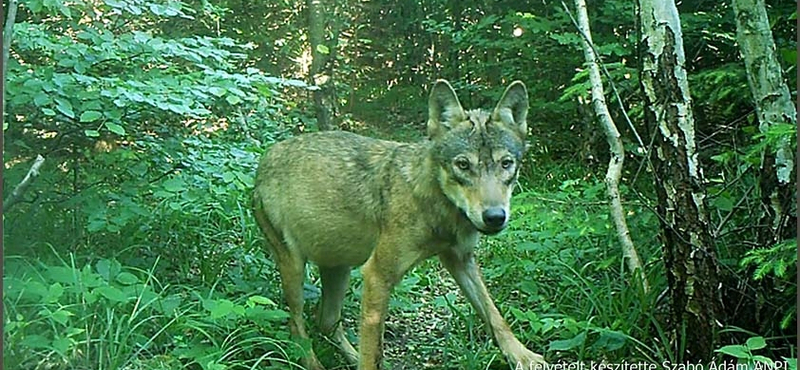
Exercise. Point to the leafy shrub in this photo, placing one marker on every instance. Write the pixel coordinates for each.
(745, 355)
(103, 315)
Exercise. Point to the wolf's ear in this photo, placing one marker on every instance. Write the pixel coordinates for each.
(443, 109)
(512, 110)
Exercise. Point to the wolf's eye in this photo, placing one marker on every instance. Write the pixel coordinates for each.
(506, 163)
(462, 164)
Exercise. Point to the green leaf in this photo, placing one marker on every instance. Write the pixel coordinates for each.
(126, 278)
(257, 299)
(756, 343)
(115, 128)
(735, 350)
(233, 99)
(568, 344)
(792, 362)
(54, 293)
(789, 56)
(65, 107)
(115, 4)
(169, 304)
(245, 179)
(35, 341)
(724, 203)
(112, 294)
(65, 10)
(61, 316)
(174, 185)
(90, 116)
(275, 315)
(63, 274)
(217, 91)
(61, 345)
(322, 49)
(108, 269)
(157, 9)
(610, 340)
(764, 359)
(41, 99)
(48, 112)
(221, 308)
(91, 133)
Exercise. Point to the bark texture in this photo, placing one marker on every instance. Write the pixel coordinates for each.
(617, 151)
(773, 106)
(689, 255)
(321, 68)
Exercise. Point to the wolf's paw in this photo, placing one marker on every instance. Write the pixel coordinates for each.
(523, 359)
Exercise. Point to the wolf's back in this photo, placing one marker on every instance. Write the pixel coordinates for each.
(323, 192)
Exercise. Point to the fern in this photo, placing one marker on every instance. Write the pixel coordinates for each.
(773, 260)
(778, 260)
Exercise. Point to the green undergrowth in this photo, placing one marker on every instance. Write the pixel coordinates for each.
(172, 274)
(558, 277)
(99, 314)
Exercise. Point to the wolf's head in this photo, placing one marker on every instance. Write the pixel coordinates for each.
(478, 153)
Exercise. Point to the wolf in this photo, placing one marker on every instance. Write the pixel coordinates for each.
(341, 200)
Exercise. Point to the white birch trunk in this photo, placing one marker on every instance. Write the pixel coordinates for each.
(616, 149)
(689, 253)
(773, 106)
(765, 77)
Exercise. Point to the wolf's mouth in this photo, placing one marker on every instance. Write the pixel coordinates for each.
(490, 231)
(486, 230)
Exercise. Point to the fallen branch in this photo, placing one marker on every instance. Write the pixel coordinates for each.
(16, 195)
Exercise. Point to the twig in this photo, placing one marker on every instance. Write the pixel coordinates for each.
(16, 195)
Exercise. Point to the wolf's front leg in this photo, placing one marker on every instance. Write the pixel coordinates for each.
(468, 276)
(374, 306)
(394, 255)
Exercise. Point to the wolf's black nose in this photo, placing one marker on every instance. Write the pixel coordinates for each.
(494, 217)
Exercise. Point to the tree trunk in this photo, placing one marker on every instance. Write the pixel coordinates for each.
(773, 106)
(616, 150)
(321, 72)
(689, 255)
(8, 35)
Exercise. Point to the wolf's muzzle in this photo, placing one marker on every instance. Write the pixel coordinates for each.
(494, 220)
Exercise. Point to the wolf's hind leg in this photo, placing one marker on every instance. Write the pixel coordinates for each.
(335, 281)
(291, 266)
(292, 269)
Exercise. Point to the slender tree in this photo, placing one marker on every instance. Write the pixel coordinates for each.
(773, 106)
(321, 71)
(8, 35)
(617, 151)
(689, 255)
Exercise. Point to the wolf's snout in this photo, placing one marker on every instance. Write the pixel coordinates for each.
(494, 217)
